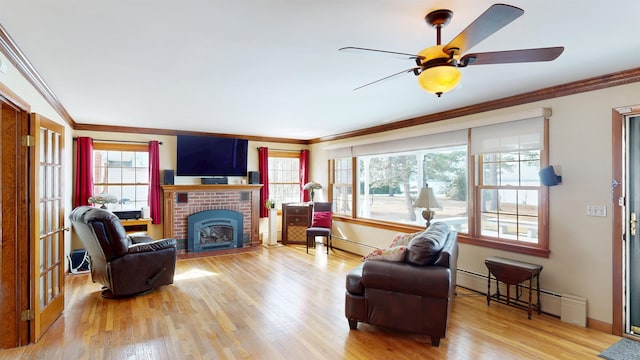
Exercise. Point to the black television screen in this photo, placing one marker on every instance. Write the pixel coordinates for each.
(211, 156)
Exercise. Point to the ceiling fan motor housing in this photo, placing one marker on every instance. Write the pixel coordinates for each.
(433, 56)
(440, 17)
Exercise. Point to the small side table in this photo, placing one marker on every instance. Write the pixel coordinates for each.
(513, 272)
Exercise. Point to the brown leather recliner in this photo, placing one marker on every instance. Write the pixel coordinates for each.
(405, 296)
(124, 265)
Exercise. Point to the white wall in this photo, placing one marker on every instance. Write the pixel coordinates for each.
(580, 262)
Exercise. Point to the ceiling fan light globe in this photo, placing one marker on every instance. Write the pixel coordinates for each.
(439, 79)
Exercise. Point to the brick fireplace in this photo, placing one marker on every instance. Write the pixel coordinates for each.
(181, 201)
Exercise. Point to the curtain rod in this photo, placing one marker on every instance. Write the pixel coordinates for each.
(122, 141)
(292, 150)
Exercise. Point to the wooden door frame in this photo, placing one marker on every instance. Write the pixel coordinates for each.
(617, 130)
(15, 254)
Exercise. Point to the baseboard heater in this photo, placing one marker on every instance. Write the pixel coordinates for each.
(573, 310)
(551, 302)
(484, 278)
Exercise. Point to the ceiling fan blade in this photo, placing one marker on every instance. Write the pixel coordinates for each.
(413, 69)
(512, 56)
(351, 48)
(492, 20)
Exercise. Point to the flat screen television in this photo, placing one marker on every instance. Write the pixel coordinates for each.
(211, 156)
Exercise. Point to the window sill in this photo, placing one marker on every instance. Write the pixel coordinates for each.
(380, 224)
(515, 248)
(462, 238)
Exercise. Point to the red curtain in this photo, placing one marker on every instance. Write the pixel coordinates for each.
(84, 171)
(304, 174)
(154, 182)
(263, 167)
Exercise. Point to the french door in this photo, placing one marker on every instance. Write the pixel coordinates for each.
(632, 246)
(47, 208)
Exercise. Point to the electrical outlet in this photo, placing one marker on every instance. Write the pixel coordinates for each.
(596, 210)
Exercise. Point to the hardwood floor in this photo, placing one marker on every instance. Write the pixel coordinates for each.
(281, 303)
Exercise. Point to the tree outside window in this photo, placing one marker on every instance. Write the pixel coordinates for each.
(389, 185)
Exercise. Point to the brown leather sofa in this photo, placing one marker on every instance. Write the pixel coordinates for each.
(413, 294)
(124, 265)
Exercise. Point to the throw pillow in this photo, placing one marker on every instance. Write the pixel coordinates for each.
(425, 247)
(391, 254)
(321, 219)
(402, 239)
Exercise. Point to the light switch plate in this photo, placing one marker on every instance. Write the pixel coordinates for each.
(596, 210)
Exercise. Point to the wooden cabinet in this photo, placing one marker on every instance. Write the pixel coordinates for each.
(137, 225)
(296, 218)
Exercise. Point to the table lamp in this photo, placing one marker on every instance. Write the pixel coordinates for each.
(427, 200)
(310, 186)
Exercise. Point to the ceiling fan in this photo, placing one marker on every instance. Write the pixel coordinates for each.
(437, 67)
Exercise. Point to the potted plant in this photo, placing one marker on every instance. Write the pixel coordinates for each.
(270, 204)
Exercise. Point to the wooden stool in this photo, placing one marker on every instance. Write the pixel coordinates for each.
(513, 272)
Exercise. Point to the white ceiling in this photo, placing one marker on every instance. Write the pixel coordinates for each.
(272, 67)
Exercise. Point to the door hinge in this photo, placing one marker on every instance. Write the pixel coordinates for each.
(28, 140)
(26, 315)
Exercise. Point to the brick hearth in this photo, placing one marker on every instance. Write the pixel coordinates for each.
(180, 201)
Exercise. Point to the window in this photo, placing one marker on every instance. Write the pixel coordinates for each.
(342, 185)
(512, 208)
(509, 196)
(122, 170)
(489, 190)
(284, 176)
(389, 184)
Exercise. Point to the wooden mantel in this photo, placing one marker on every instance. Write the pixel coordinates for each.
(211, 187)
(180, 201)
